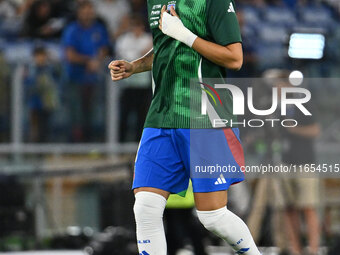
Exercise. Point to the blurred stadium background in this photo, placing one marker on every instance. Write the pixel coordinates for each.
(67, 145)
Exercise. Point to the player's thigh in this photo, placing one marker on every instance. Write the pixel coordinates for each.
(153, 190)
(158, 166)
(209, 201)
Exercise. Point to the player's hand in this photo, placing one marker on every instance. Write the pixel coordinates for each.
(120, 69)
(172, 26)
(172, 12)
(175, 18)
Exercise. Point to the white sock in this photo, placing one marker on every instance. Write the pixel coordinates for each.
(230, 228)
(148, 209)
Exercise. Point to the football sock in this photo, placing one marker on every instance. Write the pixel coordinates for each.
(149, 209)
(230, 228)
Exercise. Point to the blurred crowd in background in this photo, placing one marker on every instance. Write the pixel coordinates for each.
(63, 47)
(54, 53)
(65, 91)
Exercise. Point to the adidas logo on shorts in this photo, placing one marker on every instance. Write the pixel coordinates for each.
(220, 180)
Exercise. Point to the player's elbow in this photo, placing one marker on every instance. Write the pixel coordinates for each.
(234, 56)
(235, 64)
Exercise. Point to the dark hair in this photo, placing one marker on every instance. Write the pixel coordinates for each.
(39, 50)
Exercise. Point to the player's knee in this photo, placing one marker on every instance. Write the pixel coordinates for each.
(211, 219)
(148, 207)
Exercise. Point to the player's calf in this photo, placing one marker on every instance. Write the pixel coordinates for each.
(230, 228)
(149, 209)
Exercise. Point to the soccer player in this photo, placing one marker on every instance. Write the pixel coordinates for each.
(191, 39)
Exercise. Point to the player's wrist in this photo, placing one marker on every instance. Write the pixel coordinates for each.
(173, 27)
(189, 37)
(134, 66)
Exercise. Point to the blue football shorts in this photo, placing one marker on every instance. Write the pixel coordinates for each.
(168, 158)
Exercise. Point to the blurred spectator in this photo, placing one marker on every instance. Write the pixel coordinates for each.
(139, 8)
(23, 6)
(335, 3)
(86, 45)
(10, 18)
(42, 95)
(113, 12)
(136, 90)
(124, 27)
(4, 99)
(62, 8)
(7, 9)
(39, 21)
(302, 194)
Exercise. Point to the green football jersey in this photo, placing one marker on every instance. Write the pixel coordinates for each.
(178, 71)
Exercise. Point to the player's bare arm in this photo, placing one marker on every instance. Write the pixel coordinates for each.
(229, 56)
(122, 69)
